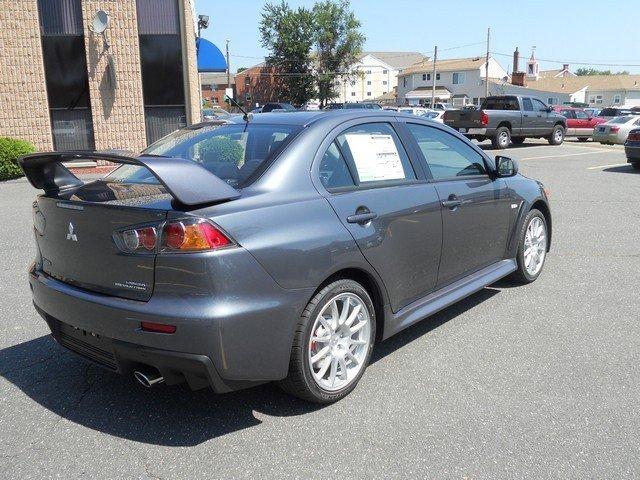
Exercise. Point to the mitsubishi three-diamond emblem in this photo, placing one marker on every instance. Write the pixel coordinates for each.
(71, 235)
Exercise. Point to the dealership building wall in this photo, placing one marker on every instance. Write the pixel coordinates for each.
(118, 96)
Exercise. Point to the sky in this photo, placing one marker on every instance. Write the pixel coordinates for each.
(578, 32)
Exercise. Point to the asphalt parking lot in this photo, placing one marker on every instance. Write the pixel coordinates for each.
(540, 381)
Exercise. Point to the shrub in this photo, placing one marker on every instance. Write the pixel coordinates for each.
(222, 149)
(10, 150)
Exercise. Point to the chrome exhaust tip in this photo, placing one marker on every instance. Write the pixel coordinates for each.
(148, 378)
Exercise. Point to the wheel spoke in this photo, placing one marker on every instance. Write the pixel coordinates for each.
(321, 339)
(352, 316)
(344, 313)
(320, 355)
(327, 326)
(323, 368)
(357, 327)
(343, 368)
(334, 371)
(358, 342)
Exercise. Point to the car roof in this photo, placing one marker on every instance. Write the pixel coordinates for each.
(307, 117)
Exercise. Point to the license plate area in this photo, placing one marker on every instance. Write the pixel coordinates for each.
(87, 344)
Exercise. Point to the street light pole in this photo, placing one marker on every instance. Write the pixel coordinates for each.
(228, 73)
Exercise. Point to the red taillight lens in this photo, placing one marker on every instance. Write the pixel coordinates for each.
(192, 236)
(634, 136)
(157, 327)
(484, 118)
(614, 129)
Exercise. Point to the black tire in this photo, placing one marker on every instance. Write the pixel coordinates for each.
(518, 140)
(583, 139)
(502, 138)
(557, 135)
(635, 165)
(300, 381)
(521, 275)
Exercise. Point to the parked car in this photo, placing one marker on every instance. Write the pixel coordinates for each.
(353, 106)
(194, 261)
(615, 131)
(438, 106)
(418, 111)
(506, 119)
(269, 107)
(594, 112)
(611, 112)
(436, 115)
(209, 114)
(579, 123)
(632, 148)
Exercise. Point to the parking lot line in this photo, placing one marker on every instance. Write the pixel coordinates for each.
(559, 156)
(606, 166)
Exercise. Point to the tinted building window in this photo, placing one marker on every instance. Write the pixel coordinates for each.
(162, 68)
(66, 76)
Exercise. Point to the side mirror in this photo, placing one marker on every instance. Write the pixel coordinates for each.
(506, 167)
(549, 109)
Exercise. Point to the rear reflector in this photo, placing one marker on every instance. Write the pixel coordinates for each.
(484, 118)
(157, 327)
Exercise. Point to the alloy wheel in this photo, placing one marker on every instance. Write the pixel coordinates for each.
(340, 340)
(535, 246)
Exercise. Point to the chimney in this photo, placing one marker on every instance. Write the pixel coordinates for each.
(565, 68)
(516, 61)
(517, 78)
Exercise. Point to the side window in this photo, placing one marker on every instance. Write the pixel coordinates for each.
(334, 172)
(568, 114)
(527, 106)
(446, 155)
(581, 114)
(538, 105)
(375, 151)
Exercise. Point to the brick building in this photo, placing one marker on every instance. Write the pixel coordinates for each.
(256, 86)
(214, 87)
(63, 86)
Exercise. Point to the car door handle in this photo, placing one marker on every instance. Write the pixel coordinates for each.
(451, 203)
(362, 218)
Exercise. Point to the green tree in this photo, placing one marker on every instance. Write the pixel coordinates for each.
(338, 44)
(288, 35)
(594, 71)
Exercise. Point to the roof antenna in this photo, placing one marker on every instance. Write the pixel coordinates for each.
(246, 116)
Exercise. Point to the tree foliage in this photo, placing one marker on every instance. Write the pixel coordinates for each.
(310, 49)
(288, 35)
(338, 43)
(10, 150)
(594, 71)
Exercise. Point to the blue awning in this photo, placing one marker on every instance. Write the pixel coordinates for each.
(210, 58)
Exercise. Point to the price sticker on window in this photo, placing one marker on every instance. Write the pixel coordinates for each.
(376, 157)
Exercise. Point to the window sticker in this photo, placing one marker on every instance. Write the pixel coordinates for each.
(376, 157)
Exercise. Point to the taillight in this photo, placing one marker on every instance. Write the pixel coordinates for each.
(614, 129)
(139, 239)
(484, 118)
(183, 235)
(192, 235)
(157, 327)
(634, 136)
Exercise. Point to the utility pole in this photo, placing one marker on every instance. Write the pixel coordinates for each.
(486, 67)
(228, 73)
(433, 77)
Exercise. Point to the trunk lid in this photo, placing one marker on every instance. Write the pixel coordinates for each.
(76, 243)
(463, 118)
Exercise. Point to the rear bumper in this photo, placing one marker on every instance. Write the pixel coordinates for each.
(609, 138)
(236, 335)
(632, 153)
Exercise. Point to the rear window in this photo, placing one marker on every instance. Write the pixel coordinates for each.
(232, 152)
(613, 112)
(621, 119)
(501, 103)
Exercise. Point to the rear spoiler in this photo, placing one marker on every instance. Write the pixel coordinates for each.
(185, 180)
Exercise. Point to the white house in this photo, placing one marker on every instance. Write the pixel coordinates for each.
(374, 75)
(459, 81)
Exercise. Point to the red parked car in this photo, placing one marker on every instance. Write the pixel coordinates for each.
(579, 123)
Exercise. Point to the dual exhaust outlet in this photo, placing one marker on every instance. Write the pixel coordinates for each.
(148, 378)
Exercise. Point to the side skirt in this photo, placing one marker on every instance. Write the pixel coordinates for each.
(446, 296)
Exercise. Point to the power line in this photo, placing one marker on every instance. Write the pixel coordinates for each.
(575, 62)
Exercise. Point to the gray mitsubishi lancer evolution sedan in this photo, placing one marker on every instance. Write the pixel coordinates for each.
(280, 248)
